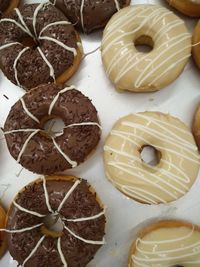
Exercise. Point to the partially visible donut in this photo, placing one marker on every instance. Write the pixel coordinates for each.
(196, 126)
(6, 6)
(38, 45)
(196, 44)
(187, 7)
(146, 24)
(32, 240)
(40, 152)
(178, 159)
(166, 243)
(90, 15)
(3, 243)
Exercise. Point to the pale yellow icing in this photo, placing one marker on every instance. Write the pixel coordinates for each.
(131, 70)
(171, 178)
(167, 247)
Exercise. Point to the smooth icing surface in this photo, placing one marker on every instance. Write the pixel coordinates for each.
(132, 70)
(177, 169)
(168, 247)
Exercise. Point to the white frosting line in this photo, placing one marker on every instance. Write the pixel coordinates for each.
(22, 230)
(51, 69)
(46, 194)
(84, 124)
(57, 97)
(68, 194)
(117, 5)
(84, 240)
(81, 14)
(15, 64)
(86, 218)
(9, 45)
(66, 47)
(34, 250)
(23, 22)
(40, 6)
(19, 131)
(73, 163)
(27, 111)
(16, 23)
(28, 211)
(26, 143)
(61, 22)
(61, 253)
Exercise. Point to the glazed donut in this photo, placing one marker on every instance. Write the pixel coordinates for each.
(3, 243)
(196, 44)
(6, 6)
(187, 7)
(178, 159)
(166, 243)
(43, 49)
(32, 240)
(37, 150)
(90, 15)
(196, 126)
(131, 70)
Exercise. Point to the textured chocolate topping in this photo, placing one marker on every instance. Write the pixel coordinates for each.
(41, 155)
(96, 13)
(31, 68)
(80, 204)
(4, 4)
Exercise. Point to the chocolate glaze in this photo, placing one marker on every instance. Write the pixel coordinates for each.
(4, 4)
(32, 70)
(96, 13)
(81, 203)
(41, 156)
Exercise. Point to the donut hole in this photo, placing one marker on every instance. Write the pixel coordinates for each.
(30, 42)
(144, 44)
(53, 225)
(150, 155)
(53, 126)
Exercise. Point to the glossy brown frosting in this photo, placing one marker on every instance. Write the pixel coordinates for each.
(32, 70)
(40, 155)
(96, 13)
(81, 203)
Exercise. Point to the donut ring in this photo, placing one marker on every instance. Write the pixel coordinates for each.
(3, 243)
(79, 210)
(89, 15)
(187, 7)
(40, 50)
(178, 163)
(196, 44)
(166, 243)
(7, 6)
(196, 126)
(37, 150)
(157, 27)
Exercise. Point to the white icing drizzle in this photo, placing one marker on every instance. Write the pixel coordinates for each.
(26, 143)
(84, 124)
(15, 64)
(66, 47)
(117, 5)
(86, 218)
(73, 163)
(51, 69)
(61, 253)
(38, 8)
(61, 22)
(19, 131)
(57, 97)
(93, 242)
(74, 186)
(23, 22)
(34, 250)
(46, 194)
(16, 23)
(28, 211)
(81, 14)
(22, 230)
(27, 111)
(9, 45)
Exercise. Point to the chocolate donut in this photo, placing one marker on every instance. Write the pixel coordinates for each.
(38, 151)
(7, 5)
(38, 45)
(33, 243)
(90, 15)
